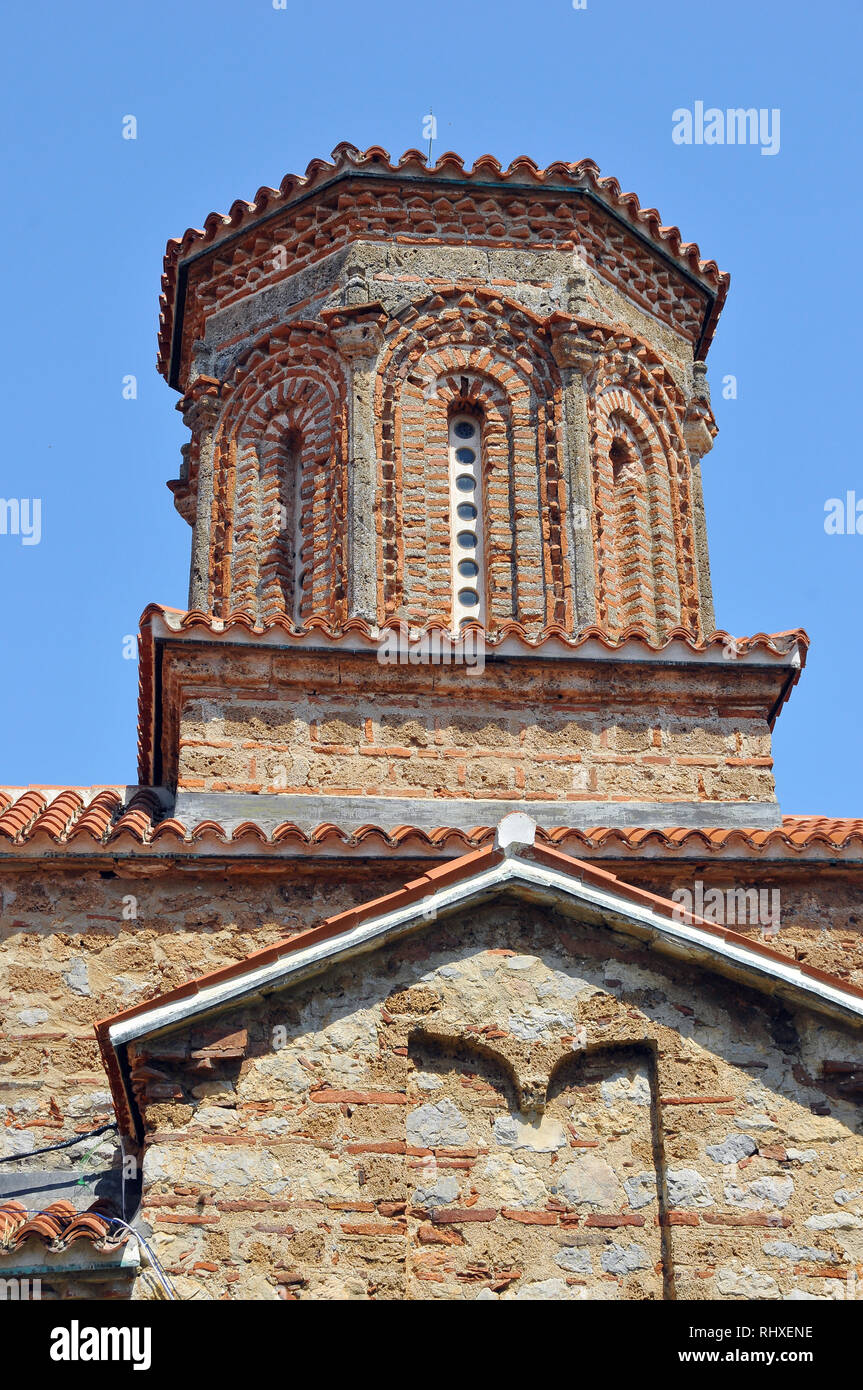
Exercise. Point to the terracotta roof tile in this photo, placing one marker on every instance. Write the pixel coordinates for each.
(436, 878)
(58, 816)
(21, 813)
(82, 817)
(100, 813)
(138, 816)
(180, 620)
(347, 159)
(59, 1225)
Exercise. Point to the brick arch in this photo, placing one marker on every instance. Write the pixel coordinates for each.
(425, 407)
(463, 354)
(285, 410)
(643, 527)
(639, 525)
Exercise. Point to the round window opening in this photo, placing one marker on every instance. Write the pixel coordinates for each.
(467, 540)
(465, 429)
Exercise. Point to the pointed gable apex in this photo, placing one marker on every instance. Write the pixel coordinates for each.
(516, 866)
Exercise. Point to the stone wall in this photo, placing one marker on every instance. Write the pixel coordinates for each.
(509, 1106)
(72, 952)
(335, 723)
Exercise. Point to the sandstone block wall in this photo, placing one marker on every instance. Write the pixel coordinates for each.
(407, 750)
(508, 1107)
(328, 723)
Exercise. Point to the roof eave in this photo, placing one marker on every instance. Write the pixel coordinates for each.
(239, 225)
(541, 875)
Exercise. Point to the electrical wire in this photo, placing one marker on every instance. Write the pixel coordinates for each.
(52, 1148)
(161, 1276)
(160, 1273)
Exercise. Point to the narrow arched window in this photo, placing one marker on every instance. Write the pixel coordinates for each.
(636, 580)
(295, 540)
(466, 548)
(291, 569)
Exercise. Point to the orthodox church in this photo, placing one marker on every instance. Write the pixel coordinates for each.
(452, 943)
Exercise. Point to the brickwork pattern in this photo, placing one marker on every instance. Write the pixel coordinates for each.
(281, 443)
(465, 293)
(464, 347)
(645, 562)
(498, 219)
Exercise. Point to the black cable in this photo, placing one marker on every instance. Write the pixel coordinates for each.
(66, 1144)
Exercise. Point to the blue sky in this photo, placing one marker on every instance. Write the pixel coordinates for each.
(229, 96)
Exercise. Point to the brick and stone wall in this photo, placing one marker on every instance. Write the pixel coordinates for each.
(73, 952)
(327, 347)
(509, 1106)
(564, 731)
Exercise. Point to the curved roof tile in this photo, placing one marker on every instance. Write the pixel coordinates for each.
(58, 1226)
(100, 813)
(180, 620)
(21, 813)
(559, 174)
(57, 817)
(72, 816)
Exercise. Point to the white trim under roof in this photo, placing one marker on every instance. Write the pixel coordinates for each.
(562, 890)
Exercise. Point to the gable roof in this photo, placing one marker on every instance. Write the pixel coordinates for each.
(516, 864)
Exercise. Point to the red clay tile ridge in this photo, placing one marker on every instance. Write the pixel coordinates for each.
(57, 816)
(507, 637)
(347, 160)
